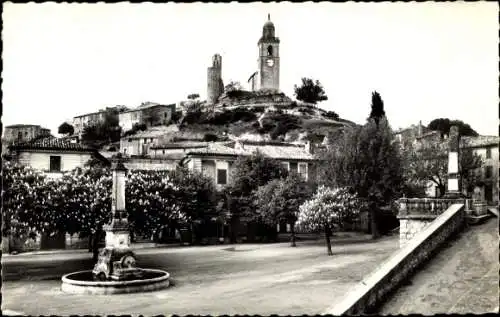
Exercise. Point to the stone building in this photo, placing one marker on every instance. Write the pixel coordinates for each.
(88, 119)
(149, 113)
(215, 85)
(22, 133)
(53, 155)
(268, 62)
(486, 147)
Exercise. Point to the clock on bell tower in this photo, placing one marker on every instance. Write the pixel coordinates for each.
(269, 58)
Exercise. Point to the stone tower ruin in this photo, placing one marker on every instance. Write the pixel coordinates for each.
(215, 86)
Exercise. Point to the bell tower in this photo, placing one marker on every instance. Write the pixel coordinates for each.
(269, 58)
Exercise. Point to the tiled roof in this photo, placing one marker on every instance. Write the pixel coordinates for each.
(217, 149)
(293, 152)
(13, 126)
(51, 143)
(282, 151)
(149, 105)
(180, 145)
(480, 141)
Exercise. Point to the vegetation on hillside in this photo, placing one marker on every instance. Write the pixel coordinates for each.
(310, 91)
(443, 125)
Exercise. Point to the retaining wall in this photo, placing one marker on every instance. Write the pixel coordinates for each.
(372, 291)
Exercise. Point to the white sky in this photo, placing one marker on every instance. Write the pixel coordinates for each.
(427, 60)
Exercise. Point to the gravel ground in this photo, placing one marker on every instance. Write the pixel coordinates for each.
(239, 279)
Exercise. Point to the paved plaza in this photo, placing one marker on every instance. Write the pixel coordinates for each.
(232, 279)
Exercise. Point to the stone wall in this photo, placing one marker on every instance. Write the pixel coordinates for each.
(374, 289)
(410, 226)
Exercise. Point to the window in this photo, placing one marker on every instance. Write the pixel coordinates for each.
(488, 153)
(163, 151)
(55, 163)
(286, 165)
(293, 167)
(303, 171)
(19, 135)
(270, 50)
(221, 176)
(145, 140)
(489, 171)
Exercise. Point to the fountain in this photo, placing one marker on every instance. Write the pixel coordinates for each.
(116, 270)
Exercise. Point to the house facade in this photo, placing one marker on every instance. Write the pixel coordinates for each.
(487, 148)
(22, 133)
(53, 155)
(88, 119)
(149, 114)
(216, 160)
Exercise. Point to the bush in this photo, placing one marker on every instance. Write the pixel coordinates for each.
(330, 115)
(210, 137)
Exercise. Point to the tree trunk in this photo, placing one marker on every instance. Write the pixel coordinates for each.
(373, 221)
(95, 244)
(89, 244)
(293, 235)
(442, 189)
(328, 243)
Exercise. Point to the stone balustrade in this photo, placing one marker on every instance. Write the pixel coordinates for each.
(427, 206)
(415, 214)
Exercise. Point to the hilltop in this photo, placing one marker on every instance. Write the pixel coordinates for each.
(259, 116)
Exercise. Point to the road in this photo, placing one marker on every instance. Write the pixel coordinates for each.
(461, 279)
(240, 279)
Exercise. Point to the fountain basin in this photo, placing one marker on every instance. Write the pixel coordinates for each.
(83, 283)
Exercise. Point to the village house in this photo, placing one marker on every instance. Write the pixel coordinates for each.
(487, 147)
(141, 142)
(95, 118)
(216, 160)
(53, 155)
(22, 133)
(150, 114)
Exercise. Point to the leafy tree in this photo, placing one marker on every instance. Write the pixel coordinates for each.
(233, 86)
(366, 159)
(443, 125)
(377, 107)
(424, 163)
(108, 130)
(279, 201)
(193, 96)
(327, 208)
(248, 174)
(310, 91)
(66, 128)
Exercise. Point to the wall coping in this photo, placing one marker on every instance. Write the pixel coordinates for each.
(417, 216)
(371, 281)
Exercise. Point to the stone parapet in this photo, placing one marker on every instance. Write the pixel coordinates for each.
(374, 289)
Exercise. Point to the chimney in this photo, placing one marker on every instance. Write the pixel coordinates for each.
(309, 147)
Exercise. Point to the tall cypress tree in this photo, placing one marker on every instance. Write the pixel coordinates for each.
(377, 107)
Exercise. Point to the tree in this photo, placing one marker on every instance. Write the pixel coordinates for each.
(424, 163)
(233, 86)
(377, 107)
(368, 160)
(443, 125)
(279, 201)
(66, 128)
(310, 91)
(106, 131)
(195, 197)
(327, 208)
(248, 174)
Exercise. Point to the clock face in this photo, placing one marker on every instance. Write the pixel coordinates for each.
(270, 62)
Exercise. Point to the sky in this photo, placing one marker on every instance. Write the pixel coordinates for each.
(427, 60)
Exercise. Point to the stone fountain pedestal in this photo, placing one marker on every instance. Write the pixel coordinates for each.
(116, 271)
